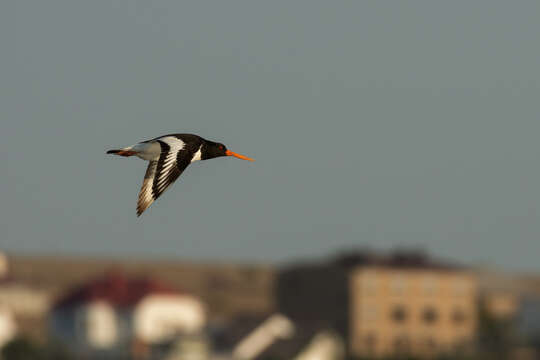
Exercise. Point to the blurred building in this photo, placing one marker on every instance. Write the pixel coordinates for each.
(189, 348)
(527, 320)
(384, 305)
(227, 289)
(4, 265)
(22, 306)
(8, 326)
(419, 310)
(501, 305)
(512, 304)
(116, 313)
(28, 285)
(501, 292)
(27, 305)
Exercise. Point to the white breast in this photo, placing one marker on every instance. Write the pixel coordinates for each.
(147, 151)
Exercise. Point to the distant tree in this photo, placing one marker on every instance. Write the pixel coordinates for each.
(22, 348)
(495, 336)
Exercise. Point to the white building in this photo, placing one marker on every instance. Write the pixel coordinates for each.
(8, 327)
(112, 313)
(17, 300)
(24, 300)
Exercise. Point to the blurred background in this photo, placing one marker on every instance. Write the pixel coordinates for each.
(357, 304)
(391, 210)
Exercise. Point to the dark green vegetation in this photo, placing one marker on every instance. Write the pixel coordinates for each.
(22, 348)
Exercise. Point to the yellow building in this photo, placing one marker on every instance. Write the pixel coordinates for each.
(416, 310)
(384, 305)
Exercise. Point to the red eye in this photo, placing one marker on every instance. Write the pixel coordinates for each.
(220, 147)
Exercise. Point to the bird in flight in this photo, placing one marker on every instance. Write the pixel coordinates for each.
(167, 157)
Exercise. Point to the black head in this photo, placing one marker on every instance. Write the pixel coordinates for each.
(213, 149)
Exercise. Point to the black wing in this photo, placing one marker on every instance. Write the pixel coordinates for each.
(174, 158)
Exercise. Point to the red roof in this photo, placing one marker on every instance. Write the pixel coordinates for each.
(115, 288)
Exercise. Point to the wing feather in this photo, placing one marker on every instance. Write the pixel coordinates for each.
(160, 174)
(146, 195)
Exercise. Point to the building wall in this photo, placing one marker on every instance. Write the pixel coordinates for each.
(24, 300)
(159, 318)
(419, 311)
(90, 326)
(4, 265)
(8, 327)
(101, 325)
(29, 306)
(314, 296)
(501, 305)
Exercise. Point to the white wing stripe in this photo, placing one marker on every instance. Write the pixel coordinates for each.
(155, 183)
(145, 195)
(175, 145)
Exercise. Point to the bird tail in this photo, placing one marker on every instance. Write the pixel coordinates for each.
(122, 152)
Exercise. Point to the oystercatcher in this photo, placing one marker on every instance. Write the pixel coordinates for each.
(167, 157)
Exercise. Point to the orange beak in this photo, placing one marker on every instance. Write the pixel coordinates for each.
(230, 153)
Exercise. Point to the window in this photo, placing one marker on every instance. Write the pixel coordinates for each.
(401, 345)
(370, 343)
(429, 315)
(430, 344)
(399, 314)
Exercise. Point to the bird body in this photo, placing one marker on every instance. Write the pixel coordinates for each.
(168, 156)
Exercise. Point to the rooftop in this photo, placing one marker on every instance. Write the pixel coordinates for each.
(115, 288)
(397, 259)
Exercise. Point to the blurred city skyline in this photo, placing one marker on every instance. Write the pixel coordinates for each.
(372, 124)
(369, 303)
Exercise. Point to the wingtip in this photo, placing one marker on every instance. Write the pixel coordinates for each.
(141, 210)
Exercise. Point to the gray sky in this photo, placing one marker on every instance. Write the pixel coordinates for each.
(378, 123)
